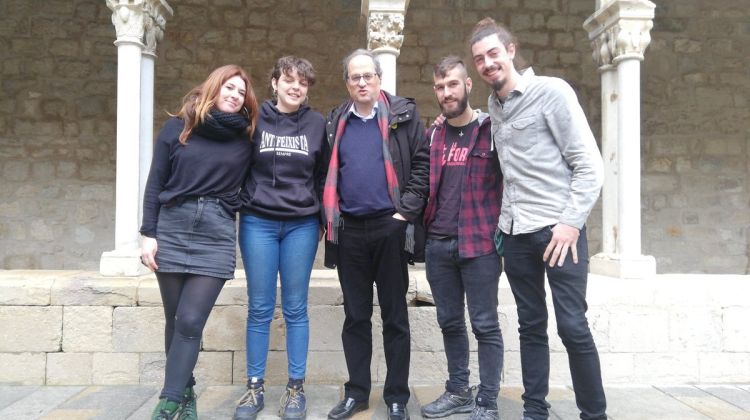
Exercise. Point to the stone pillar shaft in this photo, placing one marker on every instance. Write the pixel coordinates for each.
(629, 148)
(146, 126)
(609, 153)
(128, 132)
(619, 33)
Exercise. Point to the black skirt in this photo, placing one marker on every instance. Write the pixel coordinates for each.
(197, 236)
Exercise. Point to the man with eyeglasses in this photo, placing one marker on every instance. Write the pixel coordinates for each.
(373, 197)
(462, 262)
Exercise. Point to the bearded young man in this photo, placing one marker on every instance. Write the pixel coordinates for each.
(553, 174)
(461, 260)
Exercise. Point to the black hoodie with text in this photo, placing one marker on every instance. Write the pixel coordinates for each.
(287, 169)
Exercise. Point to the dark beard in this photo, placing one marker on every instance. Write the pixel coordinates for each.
(462, 104)
(497, 85)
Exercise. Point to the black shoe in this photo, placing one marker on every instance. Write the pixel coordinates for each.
(347, 408)
(449, 403)
(397, 411)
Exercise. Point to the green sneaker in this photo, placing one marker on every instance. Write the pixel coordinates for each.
(189, 405)
(166, 410)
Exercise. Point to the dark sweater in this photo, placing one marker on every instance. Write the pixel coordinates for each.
(204, 166)
(363, 188)
(287, 172)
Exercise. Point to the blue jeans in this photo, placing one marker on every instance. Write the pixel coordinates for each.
(525, 270)
(451, 278)
(270, 247)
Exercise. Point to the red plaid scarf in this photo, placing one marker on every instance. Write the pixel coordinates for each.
(330, 190)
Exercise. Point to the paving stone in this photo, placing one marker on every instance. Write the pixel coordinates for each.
(645, 402)
(39, 402)
(218, 402)
(144, 411)
(12, 393)
(705, 402)
(731, 394)
(104, 403)
(509, 402)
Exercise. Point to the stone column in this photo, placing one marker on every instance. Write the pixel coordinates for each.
(157, 12)
(385, 24)
(619, 31)
(130, 18)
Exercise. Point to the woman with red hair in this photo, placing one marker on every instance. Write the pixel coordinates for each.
(192, 194)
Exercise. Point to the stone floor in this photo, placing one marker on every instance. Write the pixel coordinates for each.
(217, 402)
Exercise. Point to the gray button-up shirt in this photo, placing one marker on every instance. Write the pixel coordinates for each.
(552, 168)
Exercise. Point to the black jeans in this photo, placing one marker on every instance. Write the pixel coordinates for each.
(451, 278)
(525, 270)
(372, 251)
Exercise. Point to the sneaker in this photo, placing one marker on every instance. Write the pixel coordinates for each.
(189, 405)
(484, 413)
(166, 410)
(293, 403)
(448, 404)
(250, 404)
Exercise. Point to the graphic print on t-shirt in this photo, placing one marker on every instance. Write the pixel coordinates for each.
(283, 145)
(454, 154)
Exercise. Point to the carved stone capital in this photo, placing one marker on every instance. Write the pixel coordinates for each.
(620, 29)
(602, 54)
(384, 30)
(631, 37)
(140, 21)
(128, 19)
(157, 12)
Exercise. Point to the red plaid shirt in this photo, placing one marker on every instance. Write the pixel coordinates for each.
(481, 189)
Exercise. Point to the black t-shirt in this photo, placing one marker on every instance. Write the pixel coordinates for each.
(455, 153)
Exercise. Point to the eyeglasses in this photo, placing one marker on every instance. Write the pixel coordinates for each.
(355, 78)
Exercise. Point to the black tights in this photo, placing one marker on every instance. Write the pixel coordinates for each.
(188, 300)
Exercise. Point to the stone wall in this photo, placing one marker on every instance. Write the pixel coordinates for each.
(57, 113)
(78, 328)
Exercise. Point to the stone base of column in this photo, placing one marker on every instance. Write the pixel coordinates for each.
(623, 266)
(122, 263)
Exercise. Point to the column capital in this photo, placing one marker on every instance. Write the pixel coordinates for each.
(385, 24)
(157, 12)
(128, 18)
(384, 31)
(619, 30)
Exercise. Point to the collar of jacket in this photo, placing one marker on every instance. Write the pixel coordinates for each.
(401, 109)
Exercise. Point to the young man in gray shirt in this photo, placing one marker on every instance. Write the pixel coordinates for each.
(553, 173)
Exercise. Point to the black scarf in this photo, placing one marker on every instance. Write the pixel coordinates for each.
(222, 125)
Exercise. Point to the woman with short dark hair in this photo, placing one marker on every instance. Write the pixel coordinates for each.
(280, 228)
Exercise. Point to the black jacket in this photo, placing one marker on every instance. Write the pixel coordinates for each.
(411, 159)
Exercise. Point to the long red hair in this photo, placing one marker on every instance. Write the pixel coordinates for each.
(198, 102)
